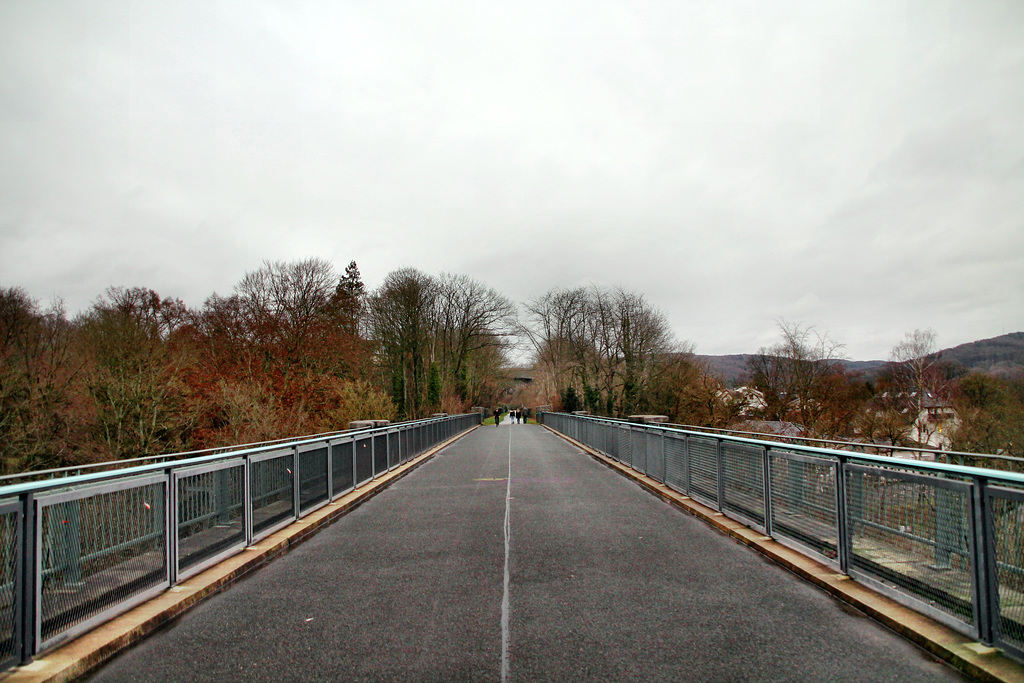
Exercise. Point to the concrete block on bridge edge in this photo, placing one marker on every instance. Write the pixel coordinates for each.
(648, 419)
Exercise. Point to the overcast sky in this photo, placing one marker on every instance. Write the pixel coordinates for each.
(856, 166)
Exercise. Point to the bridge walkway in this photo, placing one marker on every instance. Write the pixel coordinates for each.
(604, 582)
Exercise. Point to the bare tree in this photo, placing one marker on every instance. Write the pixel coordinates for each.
(287, 307)
(917, 377)
(400, 320)
(799, 376)
(452, 322)
(603, 343)
(469, 316)
(133, 372)
(37, 375)
(556, 328)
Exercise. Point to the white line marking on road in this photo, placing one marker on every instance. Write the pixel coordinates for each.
(505, 595)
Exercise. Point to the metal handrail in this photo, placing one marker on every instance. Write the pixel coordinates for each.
(854, 444)
(830, 442)
(59, 577)
(78, 479)
(72, 470)
(965, 516)
(924, 465)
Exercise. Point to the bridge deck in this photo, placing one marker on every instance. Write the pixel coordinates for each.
(605, 582)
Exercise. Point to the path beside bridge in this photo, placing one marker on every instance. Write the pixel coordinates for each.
(604, 582)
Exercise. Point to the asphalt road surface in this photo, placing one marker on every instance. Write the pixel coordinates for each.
(563, 571)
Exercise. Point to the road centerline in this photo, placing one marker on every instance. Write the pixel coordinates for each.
(505, 597)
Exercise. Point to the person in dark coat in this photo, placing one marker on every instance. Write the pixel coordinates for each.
(497, 417)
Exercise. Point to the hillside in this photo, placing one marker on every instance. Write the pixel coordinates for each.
(732, 369)
(1001, 356)
(729, 369)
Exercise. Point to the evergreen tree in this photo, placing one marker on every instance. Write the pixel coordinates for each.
(349, 295)
(570, 400)
(434, 386)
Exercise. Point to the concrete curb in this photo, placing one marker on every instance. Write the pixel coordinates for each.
(974, 659)
(92, 649)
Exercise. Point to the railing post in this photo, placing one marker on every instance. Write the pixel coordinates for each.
(720, 458)
(28, 579)
(664, 459)
(844, 530)
(768, 509)
(983, 564)
(296, 481)
(330, 471)
(686, 463)
(247, 499)
(170, 517)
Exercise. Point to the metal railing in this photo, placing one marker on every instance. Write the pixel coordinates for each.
(946, 540)
(920, 453)
(75, 551)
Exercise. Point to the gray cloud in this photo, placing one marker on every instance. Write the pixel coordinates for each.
(856, 166)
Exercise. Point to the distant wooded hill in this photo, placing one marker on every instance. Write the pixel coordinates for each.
(1001, 356)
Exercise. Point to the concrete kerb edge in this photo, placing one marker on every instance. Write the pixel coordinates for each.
(937, 639)
(92, 649)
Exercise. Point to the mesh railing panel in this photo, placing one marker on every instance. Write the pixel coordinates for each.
(272, 491)
(100, 548)
(313, 484)
(342, 468)
(1007, 509)
(625, 446)
(912, 533)
(675, 462)
(415, 441)
(364, 460)
(638, 450)
(211, 514)
(380, 454)
(404, 438)
(10, 547)
(611, 440)
(743, 480)
(394, 453)
(655, 456)
(98, 551)
(909, 529)
(608, 439)
(704, 468)
(804, 502)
